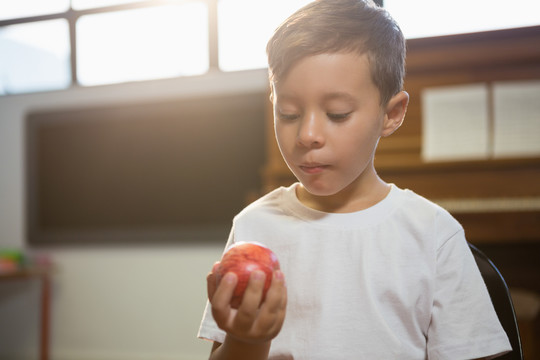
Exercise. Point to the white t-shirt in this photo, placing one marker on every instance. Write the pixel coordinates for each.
(394, 281)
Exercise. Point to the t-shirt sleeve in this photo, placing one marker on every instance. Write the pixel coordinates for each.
(464, 324)
(208, 329)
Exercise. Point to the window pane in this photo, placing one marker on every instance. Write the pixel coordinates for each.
(23, 8)
(142, 44)
(242, 39)
(424, 18)
(87, 4)
(35, 57)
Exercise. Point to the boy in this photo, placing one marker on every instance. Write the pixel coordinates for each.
(373, 271)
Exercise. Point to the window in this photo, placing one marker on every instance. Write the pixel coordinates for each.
(25, 8)
(424, 18)
(35, 57)
(142, 44)
(243, 38)
(89, 4)
(133, 40)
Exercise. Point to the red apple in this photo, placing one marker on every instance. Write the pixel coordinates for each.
(243, 258)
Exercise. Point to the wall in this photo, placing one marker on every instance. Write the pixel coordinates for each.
(108, 302)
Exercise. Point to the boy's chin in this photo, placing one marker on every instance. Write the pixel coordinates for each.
(318, 190)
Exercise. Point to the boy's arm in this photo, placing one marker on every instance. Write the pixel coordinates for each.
(250, 328)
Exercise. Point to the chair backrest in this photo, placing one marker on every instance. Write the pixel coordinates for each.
(500, 297)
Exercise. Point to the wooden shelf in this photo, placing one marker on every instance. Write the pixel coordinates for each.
(43, 275)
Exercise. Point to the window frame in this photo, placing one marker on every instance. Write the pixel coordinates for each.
(72, 15)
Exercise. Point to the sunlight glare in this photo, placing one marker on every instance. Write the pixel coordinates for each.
(244, 28)
(24, 8)
(424, 18)
(35, 57)
(142, 44)
(89, 4)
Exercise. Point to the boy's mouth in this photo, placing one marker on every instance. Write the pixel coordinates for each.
(313, 168)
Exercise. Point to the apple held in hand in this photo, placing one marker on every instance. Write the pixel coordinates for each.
(242, 259)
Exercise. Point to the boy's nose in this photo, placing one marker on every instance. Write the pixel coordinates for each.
(310, 132)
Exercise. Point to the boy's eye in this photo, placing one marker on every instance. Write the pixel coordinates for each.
(338, 116)
(286, 117)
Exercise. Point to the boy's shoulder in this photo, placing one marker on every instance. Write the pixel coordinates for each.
(272, 201)
(420, 212)
(411, 199)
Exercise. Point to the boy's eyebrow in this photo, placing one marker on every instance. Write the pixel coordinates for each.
(339, 95)
(326, 97)
(285, 97)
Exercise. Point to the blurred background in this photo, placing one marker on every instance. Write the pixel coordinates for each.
(131, 132)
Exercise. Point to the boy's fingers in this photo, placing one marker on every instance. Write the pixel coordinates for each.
(276, 298)
(222, 296)
(247, 311)
(210, 285)
(253, 294)
(273, 310)
(211, 281)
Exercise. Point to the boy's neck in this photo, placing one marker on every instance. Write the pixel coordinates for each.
(354, 198)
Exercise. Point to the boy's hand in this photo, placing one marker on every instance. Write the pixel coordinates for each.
(249, 323)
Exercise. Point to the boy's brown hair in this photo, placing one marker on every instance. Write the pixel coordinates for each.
(341, 26)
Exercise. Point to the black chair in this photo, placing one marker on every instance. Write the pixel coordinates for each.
(500, 297)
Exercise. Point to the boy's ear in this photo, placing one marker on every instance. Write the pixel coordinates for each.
(395, 113)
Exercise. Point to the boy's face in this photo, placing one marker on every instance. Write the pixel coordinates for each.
(328, 121)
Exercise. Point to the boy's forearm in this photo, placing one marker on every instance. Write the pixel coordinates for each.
(233, 349)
